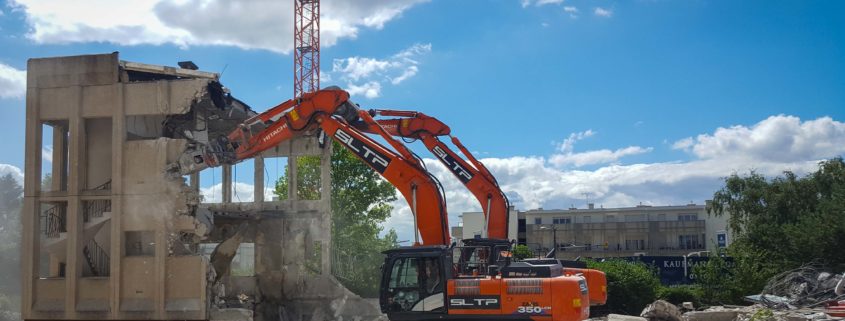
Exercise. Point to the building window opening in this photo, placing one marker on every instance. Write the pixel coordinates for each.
(562, 220)
(633, 245)
(688, 242)
(687, 217)
(140, 243)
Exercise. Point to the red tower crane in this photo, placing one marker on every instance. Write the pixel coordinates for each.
(306, 51)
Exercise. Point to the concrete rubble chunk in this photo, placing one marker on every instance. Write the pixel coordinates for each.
(622, 317)
(661, 310)
(724, 315)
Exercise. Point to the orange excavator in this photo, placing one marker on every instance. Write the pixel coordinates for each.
(477, 179)
(475, 176)
(432, 280)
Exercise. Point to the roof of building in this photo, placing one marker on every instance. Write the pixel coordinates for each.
(639, 208)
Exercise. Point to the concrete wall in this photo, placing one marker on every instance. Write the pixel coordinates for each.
(86, 101)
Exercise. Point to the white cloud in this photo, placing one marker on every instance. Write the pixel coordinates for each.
(602, 12)
(408, 73)
(569, 143)
(603, 156)
(12, 82)
(566, 155)
(572, 11)
(526, 3)
(249, 24)
(365, 75)
(545, 2)
(370, 90)
(355, 68)
(47, 154)
(683, 144)
(534, 181)
(243, 192)
(16, 172)
(781, 138)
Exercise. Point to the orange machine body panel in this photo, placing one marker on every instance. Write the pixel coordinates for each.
(562, 298)
(596, 281)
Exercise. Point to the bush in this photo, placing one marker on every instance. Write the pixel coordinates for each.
(680, 294)
(520, 252)
(723, 282)
(631, 286)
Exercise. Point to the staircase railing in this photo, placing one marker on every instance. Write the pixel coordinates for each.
(54, 221)
(95, 208)
(103, 187)
(97, 258)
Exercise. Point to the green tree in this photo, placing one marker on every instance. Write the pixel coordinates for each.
(10, 233)
(631, 286)
(360, 201)
(47, 182)
(521, 252)
(780, 224)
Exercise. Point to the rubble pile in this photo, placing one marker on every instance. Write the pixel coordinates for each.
(665, 311)
(804, 287)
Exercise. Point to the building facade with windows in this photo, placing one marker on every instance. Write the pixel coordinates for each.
(625, 231)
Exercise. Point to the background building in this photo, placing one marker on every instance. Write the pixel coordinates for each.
(611, 232)
(473, 222)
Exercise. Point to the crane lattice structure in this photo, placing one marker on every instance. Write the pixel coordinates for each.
(306, 54)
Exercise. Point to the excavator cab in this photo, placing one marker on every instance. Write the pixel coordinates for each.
(478, 280)
(413, 282)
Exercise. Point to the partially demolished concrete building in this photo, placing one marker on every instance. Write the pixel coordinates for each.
(112, 235)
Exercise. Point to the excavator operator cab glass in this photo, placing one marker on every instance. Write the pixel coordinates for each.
(415, 284)
(472, 261)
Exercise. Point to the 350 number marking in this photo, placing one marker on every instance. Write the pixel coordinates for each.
(529, 309)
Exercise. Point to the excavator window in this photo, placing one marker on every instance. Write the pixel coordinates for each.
(403, 290)
(416, 285)
(471, 260)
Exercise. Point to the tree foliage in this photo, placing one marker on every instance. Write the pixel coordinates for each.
(11, 194)
(631, 286)
(360, 201)
(779, 224)
(522, 252)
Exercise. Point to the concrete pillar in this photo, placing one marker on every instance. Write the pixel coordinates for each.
(195, 181)
(258, 180)
(226, 185)
(160, 275)
(116, 249)
(59, 163)
(76, 161)
(326, 202)
(292, 186)
(30, 242)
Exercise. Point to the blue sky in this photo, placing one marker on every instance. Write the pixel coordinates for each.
(630, 101)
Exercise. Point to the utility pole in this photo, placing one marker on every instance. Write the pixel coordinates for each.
(554, 237)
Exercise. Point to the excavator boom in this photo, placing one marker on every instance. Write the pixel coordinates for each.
(472, 173)
(331, 111)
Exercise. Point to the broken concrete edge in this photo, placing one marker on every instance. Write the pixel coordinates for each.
(166, 70)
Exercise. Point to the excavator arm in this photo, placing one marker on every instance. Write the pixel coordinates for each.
(471, 172)
(331, 111)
